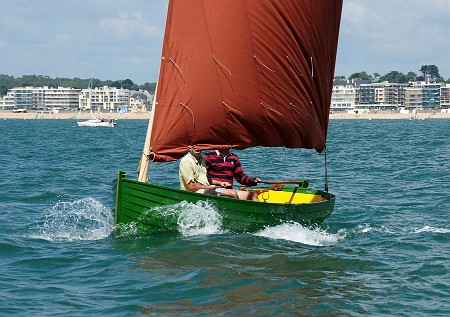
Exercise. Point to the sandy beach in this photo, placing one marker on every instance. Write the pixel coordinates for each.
(73, 115)
(430, 114)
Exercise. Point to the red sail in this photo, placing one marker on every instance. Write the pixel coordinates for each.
(238, 74)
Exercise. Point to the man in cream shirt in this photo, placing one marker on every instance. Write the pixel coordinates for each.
(193, 172)
(193, 176)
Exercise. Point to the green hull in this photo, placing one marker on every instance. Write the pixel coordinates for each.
(136, 204)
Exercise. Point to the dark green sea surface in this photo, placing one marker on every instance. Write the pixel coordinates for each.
(385, 251)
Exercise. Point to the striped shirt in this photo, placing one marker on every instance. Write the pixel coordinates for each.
(225, 168)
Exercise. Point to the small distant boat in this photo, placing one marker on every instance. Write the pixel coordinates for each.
(97, 123)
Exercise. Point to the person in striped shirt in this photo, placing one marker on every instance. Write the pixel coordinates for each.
(223, 166)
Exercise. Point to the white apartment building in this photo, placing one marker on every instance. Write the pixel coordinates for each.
(379, 95)
(430, 93)
(344, 95)
(413, 97)
(350, 95)
(383, 95)
(445, 96)
(45, 98)
(2, 102)
(106, 98)
(40, 98)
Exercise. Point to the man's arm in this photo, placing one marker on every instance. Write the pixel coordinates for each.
(194, 186)
(241, 177)
(218, 183)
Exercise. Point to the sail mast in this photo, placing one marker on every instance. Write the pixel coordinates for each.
(144, 162)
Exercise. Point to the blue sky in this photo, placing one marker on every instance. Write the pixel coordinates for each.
(122, 39)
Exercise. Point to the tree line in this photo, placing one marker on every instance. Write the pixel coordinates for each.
(7, 82)
(427, 72)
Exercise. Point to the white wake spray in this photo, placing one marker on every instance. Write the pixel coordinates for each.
(297, 233)
(198, 219)
(80, 220)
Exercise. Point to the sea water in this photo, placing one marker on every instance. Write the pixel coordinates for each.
(385, 250)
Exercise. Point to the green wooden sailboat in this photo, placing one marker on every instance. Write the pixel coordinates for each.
(238, 74)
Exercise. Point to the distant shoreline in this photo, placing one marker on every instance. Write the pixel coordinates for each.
(74, 115)
(388, 115)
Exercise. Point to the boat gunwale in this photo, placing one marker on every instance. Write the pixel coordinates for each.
(329, 197)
